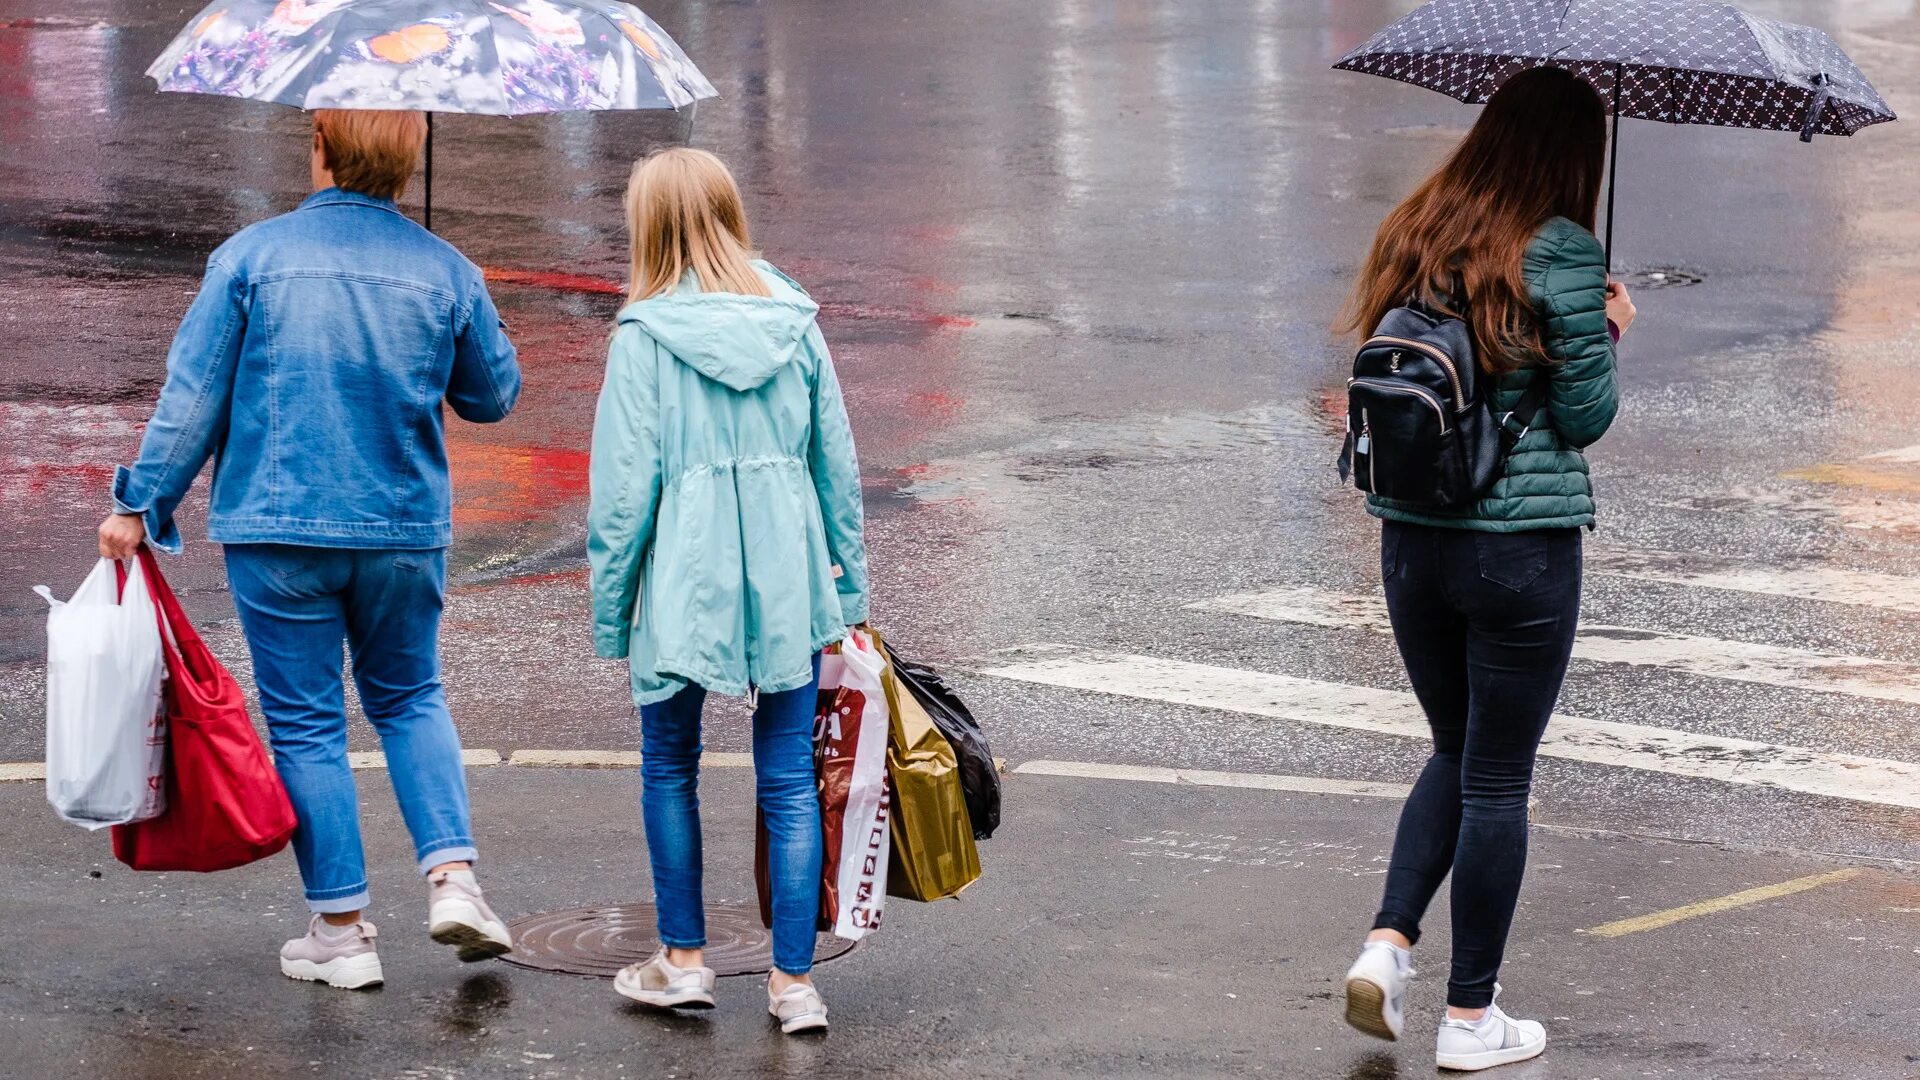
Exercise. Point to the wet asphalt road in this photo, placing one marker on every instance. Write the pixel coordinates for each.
(1077, 263)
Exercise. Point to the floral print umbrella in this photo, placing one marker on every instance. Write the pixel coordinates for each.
(500, 57)
(1676, 61)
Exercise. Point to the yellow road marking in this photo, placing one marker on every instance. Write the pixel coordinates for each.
(1724, 903)
(1857, 476)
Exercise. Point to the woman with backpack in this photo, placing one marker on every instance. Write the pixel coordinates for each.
(1483, 590)
(725, 536)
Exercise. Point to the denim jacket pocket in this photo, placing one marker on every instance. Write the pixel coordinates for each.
(1512, 560)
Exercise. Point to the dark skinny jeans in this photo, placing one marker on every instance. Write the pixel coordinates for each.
(1485, 624)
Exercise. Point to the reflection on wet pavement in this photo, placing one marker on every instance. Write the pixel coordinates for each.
(1076, 262)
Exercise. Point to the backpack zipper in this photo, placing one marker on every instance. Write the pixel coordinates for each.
(1439, 411)
(1366, 432)
(1445, 361)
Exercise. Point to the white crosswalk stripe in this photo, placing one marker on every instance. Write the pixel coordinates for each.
(1282, 697)
(1893, 592)
(1741, 661)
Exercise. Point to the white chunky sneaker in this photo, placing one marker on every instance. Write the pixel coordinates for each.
(458, 915)
(658, 983)
(798, 1008)
(340, 956)
(1377, 989)
(1494, 1039)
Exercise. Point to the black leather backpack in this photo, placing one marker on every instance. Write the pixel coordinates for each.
(1420, 423)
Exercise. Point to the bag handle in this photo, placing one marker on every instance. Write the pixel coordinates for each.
(166, 607)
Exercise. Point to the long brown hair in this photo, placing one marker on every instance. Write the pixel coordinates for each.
(684, 213)
(1537, 152)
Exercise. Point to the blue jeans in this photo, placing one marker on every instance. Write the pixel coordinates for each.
(789, 800)
(1485, 623)
(297, 606)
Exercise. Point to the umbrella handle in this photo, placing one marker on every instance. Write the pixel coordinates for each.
(1822, 91)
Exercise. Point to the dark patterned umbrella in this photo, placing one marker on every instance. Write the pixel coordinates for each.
(503, 57)
(1676, 61)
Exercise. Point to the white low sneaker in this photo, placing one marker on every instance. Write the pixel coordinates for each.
(798, 1008)
(341, 956)
(1377, 989)
(458, 915)
(656, 982)
(1494, 1039)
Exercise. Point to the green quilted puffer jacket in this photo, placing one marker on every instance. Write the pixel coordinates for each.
(1545, 484)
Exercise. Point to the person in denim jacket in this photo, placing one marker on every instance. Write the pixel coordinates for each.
(311, 368)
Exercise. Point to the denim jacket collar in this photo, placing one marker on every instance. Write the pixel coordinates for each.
(334, 195)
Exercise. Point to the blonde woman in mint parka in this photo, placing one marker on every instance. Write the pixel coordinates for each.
(725, 535)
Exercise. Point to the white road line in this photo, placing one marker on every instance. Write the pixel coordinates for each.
(1207, 778)
(1307, 701)
(551, 759)
(1893, 592)
(576, 759)
(1904, 454)
(374, 759)
(613, 759)
(1716, 658)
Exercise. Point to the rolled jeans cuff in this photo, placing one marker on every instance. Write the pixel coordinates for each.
(340, 905)
(1387, 920)
(451, 851)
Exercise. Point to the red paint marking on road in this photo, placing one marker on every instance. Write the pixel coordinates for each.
(553, 279)
(43, 476)
(550, 577)
(506, 484)
(935, 405)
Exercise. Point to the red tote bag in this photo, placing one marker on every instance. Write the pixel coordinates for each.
(226, 806)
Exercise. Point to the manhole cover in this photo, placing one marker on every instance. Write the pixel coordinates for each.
(1659, 277)
(601, 939)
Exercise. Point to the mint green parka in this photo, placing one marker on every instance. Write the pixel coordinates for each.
(1545, 483)
(725, 523)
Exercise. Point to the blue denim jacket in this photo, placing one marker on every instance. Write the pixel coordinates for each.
(311, 367)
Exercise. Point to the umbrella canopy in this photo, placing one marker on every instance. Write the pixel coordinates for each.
(1676, 61)
(501, 57)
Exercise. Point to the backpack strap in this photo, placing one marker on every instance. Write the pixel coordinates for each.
(1531, 401)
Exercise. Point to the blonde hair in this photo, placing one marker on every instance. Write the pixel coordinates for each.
(371, 151)
(684, 213)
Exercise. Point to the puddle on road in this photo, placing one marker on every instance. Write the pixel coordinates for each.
(1098, 445)
(1262, 853)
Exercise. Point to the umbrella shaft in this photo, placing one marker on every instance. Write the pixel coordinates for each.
(426, 212)
(1613, 164)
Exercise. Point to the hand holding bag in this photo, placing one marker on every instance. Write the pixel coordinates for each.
(226, 806)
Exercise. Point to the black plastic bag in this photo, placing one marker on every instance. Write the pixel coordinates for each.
(979, 775)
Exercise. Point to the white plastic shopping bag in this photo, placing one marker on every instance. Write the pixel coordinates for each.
(106, 730)
(852, 745)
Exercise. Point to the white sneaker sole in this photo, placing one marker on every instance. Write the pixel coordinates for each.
(345, 973)
(1367, 1009)
(1487, 1059)
(801, 1024)
(473, 936)
(685, 998)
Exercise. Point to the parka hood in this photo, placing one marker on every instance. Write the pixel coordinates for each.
(737, 340)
